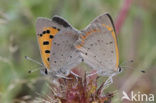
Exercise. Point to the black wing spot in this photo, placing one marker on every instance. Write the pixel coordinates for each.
(44, 32)
(47, 51)
(48, 59)
(54, 61)
(40, 35)
(112, 51)
(82, 60)
(48, 31)
(51, 36)
(111, 42)
(85, 53)
(46, 43)
(61, 54)
(91, 44)
(60, 21)
(70, 56)
(58, 29)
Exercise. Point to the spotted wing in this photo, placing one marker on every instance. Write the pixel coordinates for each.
(98, 45)
(46, 30)
(64, 56)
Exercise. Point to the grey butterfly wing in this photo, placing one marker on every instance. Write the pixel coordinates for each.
(99, 45)
(56, 22)
(46, 30)
(64, 56)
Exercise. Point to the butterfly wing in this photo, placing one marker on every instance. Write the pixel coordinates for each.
(56, 38)
(46, 29)
(64, 56)
(98, 45)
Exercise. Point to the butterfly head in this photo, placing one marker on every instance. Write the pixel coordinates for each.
(44, 71)
(119, 70)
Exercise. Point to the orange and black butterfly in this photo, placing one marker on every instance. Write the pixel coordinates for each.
(56, 38)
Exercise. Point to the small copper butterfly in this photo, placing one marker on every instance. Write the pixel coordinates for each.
(56, 38)
(98, 45)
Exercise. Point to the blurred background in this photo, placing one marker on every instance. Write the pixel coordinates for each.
(136, 39)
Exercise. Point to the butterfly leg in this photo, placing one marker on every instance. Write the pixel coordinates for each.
(91, 74)
(76, 76)
(61, 76)
(109, 81)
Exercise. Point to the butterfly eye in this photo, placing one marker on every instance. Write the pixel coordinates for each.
(119, 69)
(46, 71)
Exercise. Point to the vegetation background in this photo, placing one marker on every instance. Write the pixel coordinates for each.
(136, 38)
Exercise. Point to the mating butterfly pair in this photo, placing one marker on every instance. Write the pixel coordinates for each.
(63, 47)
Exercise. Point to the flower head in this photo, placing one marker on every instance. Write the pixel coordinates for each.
(79, 89)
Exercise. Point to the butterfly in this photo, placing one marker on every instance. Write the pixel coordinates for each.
(62, 47)
(56, 38)
(98, 45)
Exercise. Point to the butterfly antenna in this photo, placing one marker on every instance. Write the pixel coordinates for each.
(127, 62)
(30, 59)
(124, 65)
(31, 71)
